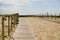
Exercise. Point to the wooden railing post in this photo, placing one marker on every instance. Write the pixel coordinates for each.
(2, 28)
(8, 25)
(14, 20)
(55, 16)
(11, 22)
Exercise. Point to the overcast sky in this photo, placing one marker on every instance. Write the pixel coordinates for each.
(30, 6)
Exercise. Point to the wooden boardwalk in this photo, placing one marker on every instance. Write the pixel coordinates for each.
(23, 31)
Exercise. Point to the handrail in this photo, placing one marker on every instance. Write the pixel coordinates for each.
(12, 20)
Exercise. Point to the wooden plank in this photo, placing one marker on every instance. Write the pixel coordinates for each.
(23, 32)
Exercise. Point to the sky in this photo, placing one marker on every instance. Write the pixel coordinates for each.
(30, 7)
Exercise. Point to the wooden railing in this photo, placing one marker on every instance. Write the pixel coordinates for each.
(11, 25)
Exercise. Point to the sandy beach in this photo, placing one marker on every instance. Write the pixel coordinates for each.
(43, 29)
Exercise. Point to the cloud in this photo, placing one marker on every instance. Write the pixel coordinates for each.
(27, 6)
(13, 5)
(7, 6)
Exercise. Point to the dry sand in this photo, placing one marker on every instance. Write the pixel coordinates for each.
(43, 29)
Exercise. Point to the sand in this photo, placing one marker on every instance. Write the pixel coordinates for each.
(43, 29)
